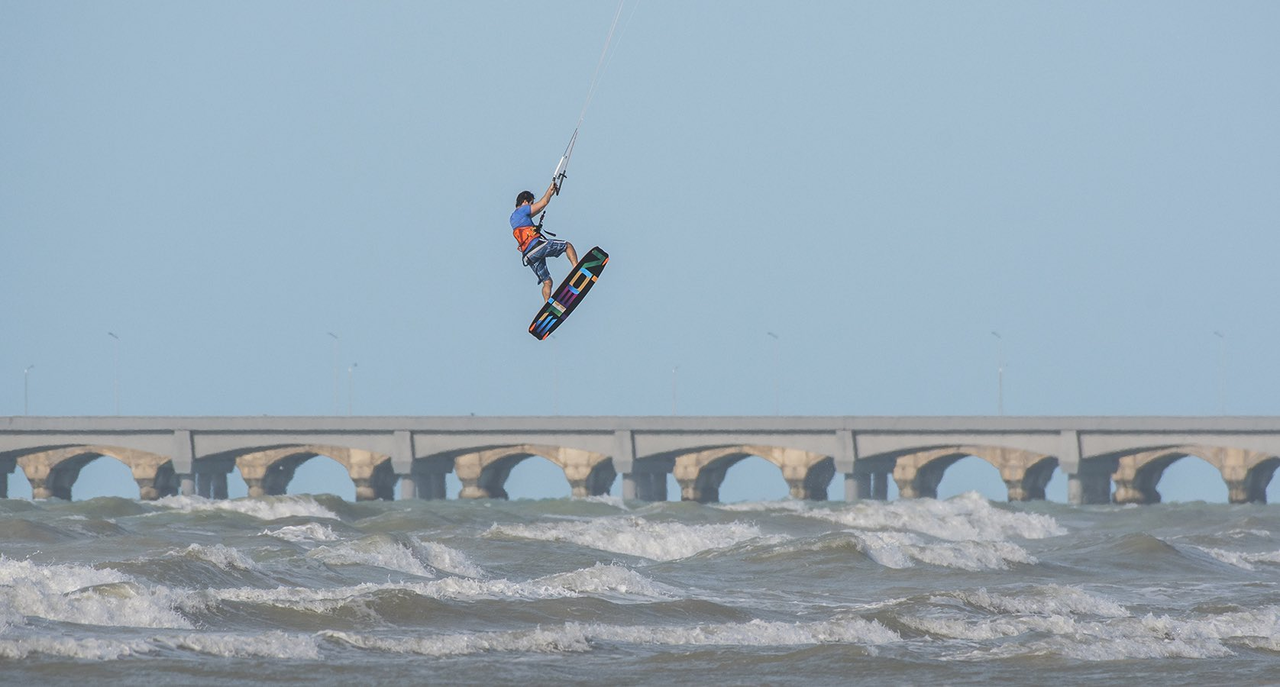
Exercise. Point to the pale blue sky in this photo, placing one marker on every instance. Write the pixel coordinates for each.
(881, 184)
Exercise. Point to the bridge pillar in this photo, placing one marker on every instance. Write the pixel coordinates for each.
(435, 485)
(880, 486)
(408, 487)
(586, 476)
(4, 485)
(857, 487)
(429, 478)
(211, 485)
(646, 486)
(204, 485)
(703, 486)
(1135, 484)
(628, 487)
(1089, 485)
(155, 481)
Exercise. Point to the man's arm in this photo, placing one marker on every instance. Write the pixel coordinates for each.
(542, 202)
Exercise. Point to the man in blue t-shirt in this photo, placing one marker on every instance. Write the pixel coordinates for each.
(534, 247)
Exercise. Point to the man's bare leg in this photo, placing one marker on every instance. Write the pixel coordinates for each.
(546, 289)
(573, 254)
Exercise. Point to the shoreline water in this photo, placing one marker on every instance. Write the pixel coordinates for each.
(186, 590)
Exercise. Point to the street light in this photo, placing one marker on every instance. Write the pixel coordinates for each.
(777, 381)
(999, 373)
(336, 368)
(1222, 364)
(25, 374)
(673, 388)
(116, 384)
(351, 383)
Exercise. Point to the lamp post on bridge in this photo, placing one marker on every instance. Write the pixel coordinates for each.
(336, 368)
(1222, 365)
(777, 379)
(999, 373)
(116, 382)
(351, 385)
(25, 387)
(673, 388)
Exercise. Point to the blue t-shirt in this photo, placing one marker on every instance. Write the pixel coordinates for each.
(522, 217)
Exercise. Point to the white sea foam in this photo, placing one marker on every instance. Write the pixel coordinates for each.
(1046, 600)
(615, 581)
(1240, 534)
(1052, 609)
(904, 550)
(80, 594)
(420, 558)
(224, 557)
(66, 647)
(661, 541)
(608, 500)
(968, 517)
(1071, 619)
(266, 645)
(539, 640)
(1242, 560)
(312, 531)
(753, 633)
(379, 551)
(267, 508)
(448, 559)
(578, 637)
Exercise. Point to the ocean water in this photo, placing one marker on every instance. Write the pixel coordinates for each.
(320, 591)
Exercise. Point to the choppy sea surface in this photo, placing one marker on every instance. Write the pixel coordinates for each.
(320, 591)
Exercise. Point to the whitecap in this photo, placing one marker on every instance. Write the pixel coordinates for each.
(312, 531)
(904, 550)
(597, 580)
(267, 645)
(580, 637)
(1240, 559)
(66, 647)
(266, 508)
(225, 557)
(80, 594)
(661, 541)
(449, 560)
(967, 517)
(602, 579)
(378, 551)
(1050, 599)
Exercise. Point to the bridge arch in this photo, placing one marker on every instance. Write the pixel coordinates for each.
(52, 471)
(267, 472)
(1246, 473)
(700, 473)
(1025, 473)
(483, 474)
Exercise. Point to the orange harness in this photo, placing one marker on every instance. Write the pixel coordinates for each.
(525, 236)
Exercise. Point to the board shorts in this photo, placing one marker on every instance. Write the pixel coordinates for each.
(537, 256)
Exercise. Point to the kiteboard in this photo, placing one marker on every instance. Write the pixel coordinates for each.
(570, 293)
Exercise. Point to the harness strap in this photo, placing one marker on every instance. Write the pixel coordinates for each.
(533, 246)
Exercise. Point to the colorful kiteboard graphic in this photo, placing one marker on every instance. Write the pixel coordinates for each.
(571, 292)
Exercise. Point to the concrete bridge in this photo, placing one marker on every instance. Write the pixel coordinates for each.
(1105, 459)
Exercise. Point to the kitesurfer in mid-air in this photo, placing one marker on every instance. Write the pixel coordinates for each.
(535, 247)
